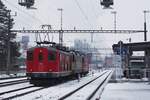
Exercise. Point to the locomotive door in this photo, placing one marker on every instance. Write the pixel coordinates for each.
(40, 60)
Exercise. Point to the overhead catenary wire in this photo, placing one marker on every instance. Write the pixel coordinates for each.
(85, 16)
(18, 9)
(37, 37)
(33, 17)
(83, 13)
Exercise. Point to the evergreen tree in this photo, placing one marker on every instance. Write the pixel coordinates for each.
(7, 38)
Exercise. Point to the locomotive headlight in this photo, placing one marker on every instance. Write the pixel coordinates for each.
(31, 70)
(40, 50)
(50, 70)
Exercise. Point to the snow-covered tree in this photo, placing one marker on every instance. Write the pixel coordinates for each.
(7, 37)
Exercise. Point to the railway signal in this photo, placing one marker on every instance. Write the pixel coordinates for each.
(27, 3)
(106, 3)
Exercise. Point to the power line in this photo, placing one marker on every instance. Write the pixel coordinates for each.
(25, 22)
(86, 17)
(83, 13)
(35, 18)
(93, 9)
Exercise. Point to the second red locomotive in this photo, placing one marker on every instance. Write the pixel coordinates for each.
(54, 62)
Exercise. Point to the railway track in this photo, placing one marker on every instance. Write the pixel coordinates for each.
(99, 86)
(2, 93)
(12, 77)
(85, 85)
(2, 84)
(29, 89)
(20, 92)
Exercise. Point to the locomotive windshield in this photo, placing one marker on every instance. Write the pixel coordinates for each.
(29, 55)
(52, 56)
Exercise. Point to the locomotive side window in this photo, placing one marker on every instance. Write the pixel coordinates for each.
(52, 56)
(40, 56)
(29, 55)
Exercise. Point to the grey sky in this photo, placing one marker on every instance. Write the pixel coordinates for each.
(129, 16)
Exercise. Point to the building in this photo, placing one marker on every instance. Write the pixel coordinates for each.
(114, 62)
(134, 66)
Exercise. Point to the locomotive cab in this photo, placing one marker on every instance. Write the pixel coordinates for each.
(41, 60)
(106, 3)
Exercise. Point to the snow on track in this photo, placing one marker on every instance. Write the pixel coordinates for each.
(12, 87)
(18, 92)
(55, 92)
(16, 79)
(87, 90)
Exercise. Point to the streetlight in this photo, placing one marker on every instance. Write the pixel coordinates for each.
(61, 32)
(61, 11)
(115, 19)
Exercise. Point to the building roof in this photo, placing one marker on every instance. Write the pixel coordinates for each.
(138, 46)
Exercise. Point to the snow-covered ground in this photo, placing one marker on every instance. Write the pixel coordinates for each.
(55, 92)
(127, 91)
(12, 87)
(11, 75)
(86, 91)
(16, 79)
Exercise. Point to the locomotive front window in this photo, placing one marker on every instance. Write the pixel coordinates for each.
(40, 57)
(29, 55)
(52, 56)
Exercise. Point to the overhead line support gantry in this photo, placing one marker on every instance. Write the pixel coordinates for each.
(79, 31)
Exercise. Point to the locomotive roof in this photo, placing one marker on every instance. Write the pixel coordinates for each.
(62, 50)
(49, 48)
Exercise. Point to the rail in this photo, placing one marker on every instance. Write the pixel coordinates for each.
(2, 84)
(79, 88)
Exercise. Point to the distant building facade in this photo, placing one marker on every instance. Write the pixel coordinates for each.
(114, 62)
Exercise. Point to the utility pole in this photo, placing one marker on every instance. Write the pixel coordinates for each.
(145, 39)
(8, 44)
(121, 54)
(61, 27)
(145, 27)
(92, 37)
(115, 20)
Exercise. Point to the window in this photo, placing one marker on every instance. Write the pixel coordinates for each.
(29, 55)
(52, 56)
(40, 56)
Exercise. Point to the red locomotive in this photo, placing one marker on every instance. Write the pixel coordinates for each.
(54, 62)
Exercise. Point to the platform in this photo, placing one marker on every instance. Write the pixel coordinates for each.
(127, 91)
